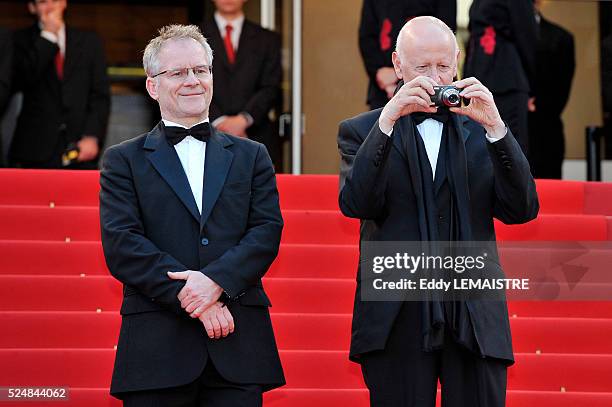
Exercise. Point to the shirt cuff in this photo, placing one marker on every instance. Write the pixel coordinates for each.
(218, 120)
(248, 118)
(49, 36)
(493, 140)
(389, 133)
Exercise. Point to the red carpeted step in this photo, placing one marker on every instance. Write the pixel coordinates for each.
(556, 228)
(561, 196)
(303, 369)
(308, 191)
(41, 187)
(323, 227)
(284, 397)
(51, 257)
(598, 198)
(72, 293)
(296, 331)
(567, 309)
(75, 258)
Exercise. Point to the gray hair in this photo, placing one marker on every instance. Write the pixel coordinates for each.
(168, 33)
(435, 21)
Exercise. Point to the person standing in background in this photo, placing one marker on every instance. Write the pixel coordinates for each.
(502, 53)
(6, 50)
(555, 71)
(66, 93)
(248, 76)
(381, 21)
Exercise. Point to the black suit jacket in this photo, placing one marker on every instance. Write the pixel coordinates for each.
(381, 22)
(56, 113)
(251, 84)
(376, 187)
(150, 225)
(6, 50)
(501, 51)
(556, 66)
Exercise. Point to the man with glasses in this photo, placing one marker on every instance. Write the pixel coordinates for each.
(66, 93)
(190, 223)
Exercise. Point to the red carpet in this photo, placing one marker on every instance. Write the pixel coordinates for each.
(59, 306)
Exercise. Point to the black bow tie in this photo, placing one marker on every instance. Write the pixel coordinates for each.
(441, 115)
(175, 134)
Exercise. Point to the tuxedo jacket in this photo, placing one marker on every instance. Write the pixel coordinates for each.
(376, 187)
(57, 112)
(151, 225)
(501, 51)
(381, 21)
(251, 84)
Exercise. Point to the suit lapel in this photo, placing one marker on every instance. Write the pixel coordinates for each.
(244, 43)
(73, 52)
(164, 159)
(216, 166)
(212, 33)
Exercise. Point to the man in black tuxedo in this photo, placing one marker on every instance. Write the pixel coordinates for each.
(413, 172)
(247, 76)
(6, 50)
(381, 21)
(501, 53)
(66, 94)
(555, 71)
(190, 223)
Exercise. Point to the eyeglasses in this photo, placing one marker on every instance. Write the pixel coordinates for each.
(180, 74)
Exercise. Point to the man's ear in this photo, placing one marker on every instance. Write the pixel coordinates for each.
(151, 85)
(397, 64)
(457, 63)
(31, 8)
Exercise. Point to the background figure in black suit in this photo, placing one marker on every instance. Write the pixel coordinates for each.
(66, 95)
(556, 66)
(381, 21)
(502, 53)
(6, 51)
(247, 76)
(190, 223)
(410, 176)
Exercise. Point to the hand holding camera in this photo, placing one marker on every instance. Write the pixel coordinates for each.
(481, 108)
(413, 96)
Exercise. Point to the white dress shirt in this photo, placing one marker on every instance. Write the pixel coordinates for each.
(236, 25)
(192, 153)
(430, 131)
(59, 38)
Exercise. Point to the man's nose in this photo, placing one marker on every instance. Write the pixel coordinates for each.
(191, 79)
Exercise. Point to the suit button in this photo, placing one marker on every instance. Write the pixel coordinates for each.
(204, 241)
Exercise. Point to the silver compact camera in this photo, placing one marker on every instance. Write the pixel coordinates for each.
(446, 96)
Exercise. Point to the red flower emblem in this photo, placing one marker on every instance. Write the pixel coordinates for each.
(487, 41)
(385, 39)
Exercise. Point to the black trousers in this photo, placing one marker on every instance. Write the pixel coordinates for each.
(403, 375)
(512, 108)
(209, 390)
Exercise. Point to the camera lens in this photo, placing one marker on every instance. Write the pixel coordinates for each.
(453, 99)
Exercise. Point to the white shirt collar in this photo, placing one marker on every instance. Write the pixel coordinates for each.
(222, 22)
(169, 123)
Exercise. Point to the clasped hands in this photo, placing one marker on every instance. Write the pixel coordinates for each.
(414, 96)
(199, 298)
